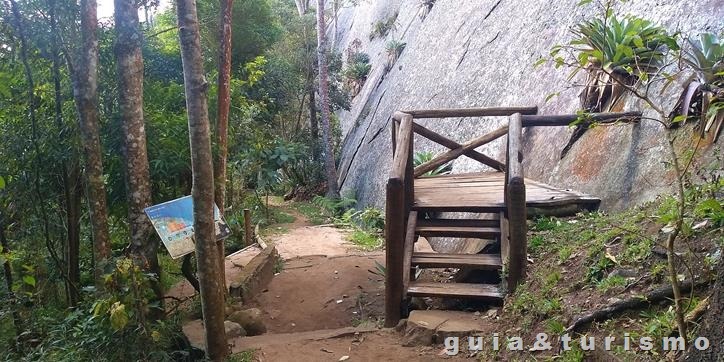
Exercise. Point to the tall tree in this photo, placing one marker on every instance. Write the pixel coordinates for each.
(224, 99)
(138, 180)
(195, 85)
(329, 167)
(222, 119)
(85, 92)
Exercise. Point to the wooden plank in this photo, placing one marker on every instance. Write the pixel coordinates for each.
(515, 149)
(448, 156)
(475, 261)
(444, 141)
(566, 119)
(404, 137)
(455, 290)
(471, 112)
(394, 249)
(504, 241)
(409, 248)
(460, 222)
(458, 231)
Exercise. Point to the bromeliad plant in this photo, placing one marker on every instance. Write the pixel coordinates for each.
(422, 157)
(617, 51)
(394, 49)
(616, 54)
(703, 94)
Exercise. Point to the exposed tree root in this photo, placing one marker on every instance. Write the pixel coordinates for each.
(635, 302)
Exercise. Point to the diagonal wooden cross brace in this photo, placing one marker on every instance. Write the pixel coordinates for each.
(456, 149)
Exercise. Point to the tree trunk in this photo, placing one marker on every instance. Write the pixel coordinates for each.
(224, 99)
(329, 167)
(207, 260)
(222, 121)
(313, 121)
(85, 92)
(72, 217)
(138, 181)
(711, 327)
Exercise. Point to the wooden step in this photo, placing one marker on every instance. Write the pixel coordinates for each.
(455, 290)
(482, 229)
(440, 260)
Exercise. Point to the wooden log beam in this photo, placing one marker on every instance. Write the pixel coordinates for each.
(444, 141)
(515, 202)
(394, 253)
(408, 250)
(404, 138)
(455, 153)
(566, 119)
(471, 112)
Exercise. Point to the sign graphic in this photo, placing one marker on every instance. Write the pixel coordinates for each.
(174, 223)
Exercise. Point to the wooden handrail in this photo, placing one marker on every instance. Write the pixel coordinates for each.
(394, 250)
(516, 204)
(566, 119)
(467, 146)
(444, 141)
(402, 149)
(471, 112)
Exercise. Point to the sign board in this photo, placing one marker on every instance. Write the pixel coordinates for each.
(174, 223)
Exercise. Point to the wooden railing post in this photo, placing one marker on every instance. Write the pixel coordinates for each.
(394, 250)
(515, 202)
(400, 195)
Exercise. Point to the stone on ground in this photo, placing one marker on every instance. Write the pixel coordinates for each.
(427, 327)
(233, 329)
(250, 320)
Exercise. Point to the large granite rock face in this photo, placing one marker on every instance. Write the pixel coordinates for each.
(478, 53)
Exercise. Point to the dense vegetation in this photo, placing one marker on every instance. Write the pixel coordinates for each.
(57, 307)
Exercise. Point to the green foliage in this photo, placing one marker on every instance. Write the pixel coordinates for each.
(631, 45)
(611, 282)
(546, 224)
(357, 72)
(383, 27)
(335, 207)
(394, 49)
(706, 57)
(366, 240)
(422, 157)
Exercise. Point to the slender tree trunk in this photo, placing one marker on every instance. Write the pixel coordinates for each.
(329, 167)
(224, 99)
(313, 121)
(85, 93)
(138, 180)
(207, 255)
(222, 121)
(71, 196)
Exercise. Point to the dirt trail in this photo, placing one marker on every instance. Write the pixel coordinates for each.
(326, 284)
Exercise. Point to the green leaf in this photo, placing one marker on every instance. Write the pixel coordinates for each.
(679, 118)
(539, 62)
(29, 280)
(550, 96)
(584, 2)
(2, 183)
(119, 316)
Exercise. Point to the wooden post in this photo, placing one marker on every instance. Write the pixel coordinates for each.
(248, 232)
(516, 208)
(394, 245)
(408, 250)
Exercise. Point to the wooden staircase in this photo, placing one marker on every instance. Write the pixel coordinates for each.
(501, 199)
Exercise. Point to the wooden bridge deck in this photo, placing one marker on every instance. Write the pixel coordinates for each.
(484, 192)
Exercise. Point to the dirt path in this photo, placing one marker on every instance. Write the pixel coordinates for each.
(327, 284)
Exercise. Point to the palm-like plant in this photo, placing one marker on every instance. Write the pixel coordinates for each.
(421, 157)
(616, 54)
(629, 50)
(704, 95)
(394, 49)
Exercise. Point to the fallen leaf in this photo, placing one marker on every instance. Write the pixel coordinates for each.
(344, 358)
